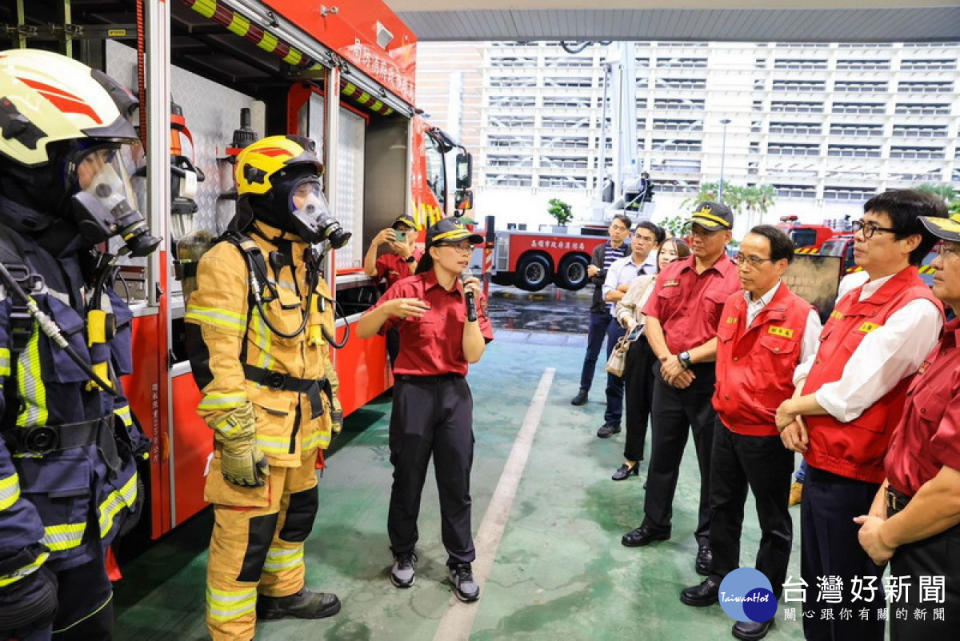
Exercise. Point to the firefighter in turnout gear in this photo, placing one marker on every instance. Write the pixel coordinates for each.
(68, 456)
(258, 331)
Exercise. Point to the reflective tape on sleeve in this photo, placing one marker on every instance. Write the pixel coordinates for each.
(219, 317)
(26, 570)
(9, 491)
(63, 537)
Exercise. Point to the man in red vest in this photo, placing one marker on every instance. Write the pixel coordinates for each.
(765, 332)
(915, 518)
(870, 348)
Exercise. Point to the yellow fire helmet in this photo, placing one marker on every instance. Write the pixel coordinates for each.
(46, 97)
(259, 162)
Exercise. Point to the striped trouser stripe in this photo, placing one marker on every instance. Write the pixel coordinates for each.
(116, 501)
(283, 559)
(224, 605)
(63, 537)
(273, 445)
(9, 491)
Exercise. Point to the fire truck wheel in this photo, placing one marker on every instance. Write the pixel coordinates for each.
(573, 272)
(533, 272)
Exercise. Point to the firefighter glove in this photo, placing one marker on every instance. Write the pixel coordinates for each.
(242, 463)
(336, 416)
(28, 604)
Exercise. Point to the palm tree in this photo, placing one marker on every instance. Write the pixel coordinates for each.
(942, 190)
(706, 191)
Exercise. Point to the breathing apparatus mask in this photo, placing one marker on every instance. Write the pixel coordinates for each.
(105, 204)
(310, 214)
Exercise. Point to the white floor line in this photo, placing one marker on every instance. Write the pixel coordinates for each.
(457, 623)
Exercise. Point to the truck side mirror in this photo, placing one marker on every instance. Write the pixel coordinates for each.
(464, 170)
(464, 199)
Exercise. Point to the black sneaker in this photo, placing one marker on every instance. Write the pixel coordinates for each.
(580, 398)
(464, 587)
(608, 430)
(403, 571)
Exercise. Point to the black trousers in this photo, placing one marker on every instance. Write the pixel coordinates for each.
(432, 416)
(830, 547)
(761, 463)
(937, 556)
(638, 384)
(674, 411)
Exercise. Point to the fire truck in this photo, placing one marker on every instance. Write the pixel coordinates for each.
(808, 239)
(344, 76)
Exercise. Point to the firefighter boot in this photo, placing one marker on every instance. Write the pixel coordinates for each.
(301, 605)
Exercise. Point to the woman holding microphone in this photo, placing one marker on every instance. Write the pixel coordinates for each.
(443, 328)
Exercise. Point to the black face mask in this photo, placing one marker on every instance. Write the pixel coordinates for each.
(296, 205)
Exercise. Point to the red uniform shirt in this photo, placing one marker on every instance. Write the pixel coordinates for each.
(856, 449)
(433, 345)
(688, 304)
(757, 362)
(928, 436)
(392, 267)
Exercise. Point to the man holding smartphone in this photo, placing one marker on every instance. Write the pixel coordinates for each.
(400, 259)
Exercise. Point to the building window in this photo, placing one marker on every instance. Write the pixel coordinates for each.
(686, 146)
(796, 191)
(800, 63)
(682, 63)
(567, 102)
(942, 64)
(513, 101)
(857, 194)
(563, 162)
(859, 86)
(853, 151)
(564, 142)
(796, 128)
(799, 85)
(513, 61)
(568, 81)
(494, 160)
(513, 81)
(792, 149)
(509, 180)
(924, 87)
(917, 153)
(858, 108)
(678, 125)
(687, 84)
(509, 141)
(863, 65)
(782, 106)
(839, 129)
(679, 104)
(923, 109)
(566, 122)
(499, 120)
(920, 131)
(563, 182)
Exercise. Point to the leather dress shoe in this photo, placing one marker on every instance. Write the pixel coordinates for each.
(701, 595)
(750, 631)
(643, 535)
(608, 430)
(305, 604)
(580, 398)
(625, 471)
(704, 559)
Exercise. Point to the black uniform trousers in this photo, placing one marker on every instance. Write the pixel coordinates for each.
(674, 411)
(936, 556)
(432, 416)
(829, 547)
(761, 463)
(638, 383)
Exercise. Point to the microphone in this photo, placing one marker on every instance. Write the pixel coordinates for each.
(471, 299)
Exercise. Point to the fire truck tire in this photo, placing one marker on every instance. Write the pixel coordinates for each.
(572, 274)
(534, 272)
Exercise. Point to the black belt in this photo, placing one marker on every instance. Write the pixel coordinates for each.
(280, 381)
(438, 378)
(42, 440)
(896, 501)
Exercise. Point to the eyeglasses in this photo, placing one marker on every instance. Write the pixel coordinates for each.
(753, 261)
(460, 247)
(869, 229)
(943, 251)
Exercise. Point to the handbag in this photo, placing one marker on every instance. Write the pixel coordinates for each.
(618, 357)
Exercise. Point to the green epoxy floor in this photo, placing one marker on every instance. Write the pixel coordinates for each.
(560, 571)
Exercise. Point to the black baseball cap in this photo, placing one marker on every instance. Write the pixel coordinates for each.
(404, 219)
(947, 229)
(712, 216)
(445, 230)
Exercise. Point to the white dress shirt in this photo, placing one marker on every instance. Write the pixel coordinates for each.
(811, 330)
(624, 271)
(884, 357)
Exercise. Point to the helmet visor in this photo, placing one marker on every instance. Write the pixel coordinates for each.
(307, 202)
(101, 172)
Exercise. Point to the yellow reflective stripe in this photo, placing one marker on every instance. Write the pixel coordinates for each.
(376, 106)
(222, 317)
(239, 25)
(9, 491)
(269, 42)
(349, 89)
(227, 427)
(116, 501)
(283, 559)
(123, 412)
(293, 58)
(26, 570)
(263, 340)
(364, 98)
(223, 605)
(33, 393)
(317, 439)
(453, 234)
(222, 401)
(205, 8)
(4, 361)
(387, 112)
(273, 445)
(63, 537)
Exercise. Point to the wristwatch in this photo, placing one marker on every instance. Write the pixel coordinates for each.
(684, 358)
(409, 259)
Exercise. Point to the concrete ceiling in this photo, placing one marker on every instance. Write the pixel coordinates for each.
(743, 20)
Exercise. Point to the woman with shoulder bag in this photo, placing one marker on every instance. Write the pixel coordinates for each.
(638, 369)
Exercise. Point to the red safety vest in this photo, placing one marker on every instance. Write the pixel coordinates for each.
(755, 365)
(856, 449)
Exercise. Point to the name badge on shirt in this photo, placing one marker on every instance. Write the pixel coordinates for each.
(786, 332)
(835, 314)
(731, 320)
(671, 283)
(867, 327)
(923, 367)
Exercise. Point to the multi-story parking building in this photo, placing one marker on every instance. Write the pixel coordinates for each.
(826, 124)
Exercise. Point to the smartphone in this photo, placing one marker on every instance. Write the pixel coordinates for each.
(635, 333)
(400, 236)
